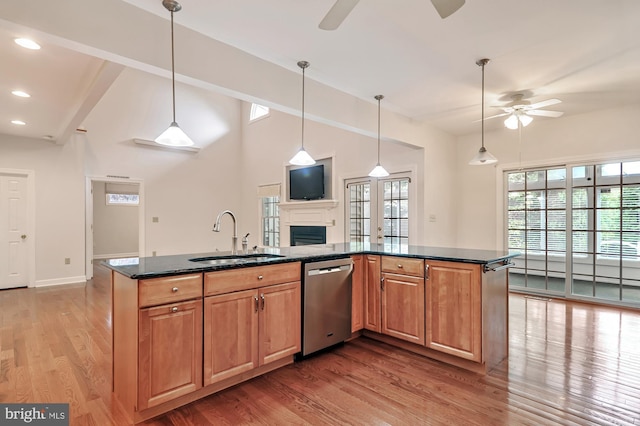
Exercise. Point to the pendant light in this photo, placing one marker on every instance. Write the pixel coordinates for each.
(378, 171)
(173, 136)
(302, 158)
(483, 156)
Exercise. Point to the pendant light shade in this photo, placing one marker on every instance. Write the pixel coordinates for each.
(173, 136)
(302, 157)
(379, 171)
(483, 156)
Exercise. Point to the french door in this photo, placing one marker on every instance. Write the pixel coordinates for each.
(378, 211)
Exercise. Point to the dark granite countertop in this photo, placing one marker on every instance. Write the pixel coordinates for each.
(159, 266)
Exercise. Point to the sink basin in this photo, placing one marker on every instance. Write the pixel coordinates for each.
(234, 258)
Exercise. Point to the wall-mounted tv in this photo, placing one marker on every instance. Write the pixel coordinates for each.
(306, 183)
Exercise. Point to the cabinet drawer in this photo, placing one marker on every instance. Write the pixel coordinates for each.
(157, 291)
(403, 265)
(251, 277)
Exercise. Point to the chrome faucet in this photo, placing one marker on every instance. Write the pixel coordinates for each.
(234, 239)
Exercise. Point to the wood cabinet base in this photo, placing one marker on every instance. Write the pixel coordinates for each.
(476, 367)
(140, 416)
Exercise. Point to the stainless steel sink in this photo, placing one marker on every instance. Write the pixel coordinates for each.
(234, 258)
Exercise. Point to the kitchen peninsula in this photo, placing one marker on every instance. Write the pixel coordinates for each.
(187, 326)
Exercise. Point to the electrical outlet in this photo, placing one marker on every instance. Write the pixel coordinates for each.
(67, 260)
(153, 253)
(155, 219)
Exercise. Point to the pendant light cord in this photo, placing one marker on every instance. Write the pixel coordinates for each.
(173, 73)
(379, 98)
(302, 136)
(482, 130)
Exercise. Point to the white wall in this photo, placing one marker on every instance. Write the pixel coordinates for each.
(183, 190)
(270, 142)
(115, 227)
(59, 203)
(610, 134)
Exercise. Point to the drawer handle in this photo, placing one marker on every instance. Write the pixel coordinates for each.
(175, 289)
(174, 309)
(260, 277)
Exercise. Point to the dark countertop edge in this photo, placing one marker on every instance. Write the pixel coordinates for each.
(289, 259)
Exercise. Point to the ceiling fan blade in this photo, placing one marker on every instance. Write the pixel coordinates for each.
(447, 7)
(543, 104)
(337, 14)
(493, 116)
(543, 113)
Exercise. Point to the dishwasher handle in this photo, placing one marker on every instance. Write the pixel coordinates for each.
(330, 270)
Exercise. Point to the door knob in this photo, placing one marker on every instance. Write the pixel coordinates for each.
(23, 236)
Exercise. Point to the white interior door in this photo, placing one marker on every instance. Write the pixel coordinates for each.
(13, 222)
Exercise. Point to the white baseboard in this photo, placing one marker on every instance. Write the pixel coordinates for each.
(114, 256)
(61, 281)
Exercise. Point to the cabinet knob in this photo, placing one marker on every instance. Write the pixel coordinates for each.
(399, 266)
(175, 289)
(260, 277)
(174, 309)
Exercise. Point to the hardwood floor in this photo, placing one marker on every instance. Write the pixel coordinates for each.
(569, 364)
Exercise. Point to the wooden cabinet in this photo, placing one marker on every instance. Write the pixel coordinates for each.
(402, 299)
(246, 329)
(170, 352)
(357, 293)
(454, 309)
(371, 286)
(157, 341)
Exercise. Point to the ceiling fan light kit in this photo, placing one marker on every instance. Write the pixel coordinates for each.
(302, 157)
(483, 157)
(173, 136)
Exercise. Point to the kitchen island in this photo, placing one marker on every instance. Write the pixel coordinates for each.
(186, 326)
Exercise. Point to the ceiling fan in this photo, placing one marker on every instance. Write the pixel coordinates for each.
(342, 8)
(520, 111)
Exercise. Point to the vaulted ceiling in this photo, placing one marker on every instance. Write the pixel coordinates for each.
(584, 52)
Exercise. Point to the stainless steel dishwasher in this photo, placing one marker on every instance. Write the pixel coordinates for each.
(326, 306)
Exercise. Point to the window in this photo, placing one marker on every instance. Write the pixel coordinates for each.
(271, 221)
(123, 199)
(359, 205)
(378, 211)
(258, 111)
(536, 228)
(577, 230)
(121, 194)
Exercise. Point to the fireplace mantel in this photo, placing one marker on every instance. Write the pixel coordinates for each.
(311, 213)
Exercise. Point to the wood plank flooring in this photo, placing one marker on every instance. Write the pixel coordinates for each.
(569, 364)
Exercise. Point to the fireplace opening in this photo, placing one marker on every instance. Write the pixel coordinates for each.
(304, 235)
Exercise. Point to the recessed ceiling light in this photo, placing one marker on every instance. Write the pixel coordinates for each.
(18, 122)
(28, 44)
(21, 94)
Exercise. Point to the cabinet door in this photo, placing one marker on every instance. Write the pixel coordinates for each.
(403, 307)
(170, 352)
(372, 293)
(357, 293)
(230, 335)
(279, 321)
(454, 309)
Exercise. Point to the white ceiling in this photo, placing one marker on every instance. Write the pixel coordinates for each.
(584, 52)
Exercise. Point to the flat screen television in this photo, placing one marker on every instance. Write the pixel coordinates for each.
(306, 183)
